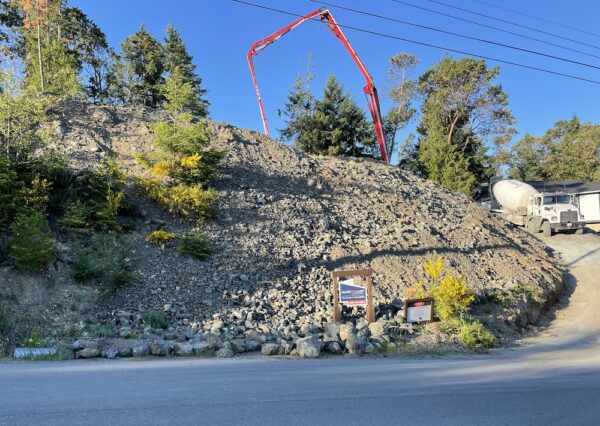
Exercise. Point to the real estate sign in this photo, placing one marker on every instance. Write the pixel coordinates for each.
(352, 294)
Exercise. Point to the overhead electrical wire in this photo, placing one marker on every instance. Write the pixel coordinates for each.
(480, 24)
(439, 30)
(514, 23)
(389, 36)
(548, 21)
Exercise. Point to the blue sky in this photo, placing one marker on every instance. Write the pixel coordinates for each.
(219, 32)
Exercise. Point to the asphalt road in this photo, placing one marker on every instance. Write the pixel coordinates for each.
(551, 379)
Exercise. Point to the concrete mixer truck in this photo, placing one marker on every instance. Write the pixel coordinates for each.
(523, 205)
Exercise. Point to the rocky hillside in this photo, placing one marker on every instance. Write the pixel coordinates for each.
(285, 220)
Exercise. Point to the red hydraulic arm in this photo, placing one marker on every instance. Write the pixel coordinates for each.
(325, 16)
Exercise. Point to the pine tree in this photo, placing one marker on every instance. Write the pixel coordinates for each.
(178, 60)
(138, 74)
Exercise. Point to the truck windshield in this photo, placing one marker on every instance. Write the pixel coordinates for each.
(556, 199)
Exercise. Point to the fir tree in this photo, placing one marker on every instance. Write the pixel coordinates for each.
(179, 61)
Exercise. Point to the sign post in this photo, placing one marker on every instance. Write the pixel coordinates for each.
(349, 294)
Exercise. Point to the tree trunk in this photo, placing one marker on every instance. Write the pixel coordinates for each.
(39, 45)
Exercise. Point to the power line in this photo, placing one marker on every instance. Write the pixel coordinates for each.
(515, 24)
(439, 30)
(437, 12)
(389, 36)
(537, 18)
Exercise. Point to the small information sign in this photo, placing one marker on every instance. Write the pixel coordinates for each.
(352, 294)
(418, 310)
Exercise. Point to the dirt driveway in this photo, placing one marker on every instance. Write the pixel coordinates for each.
(575, 324)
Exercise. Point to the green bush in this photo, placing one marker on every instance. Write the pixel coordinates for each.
(75, 218)
(32, 340)
(105, 261)
(84, 268)
(4, 321)
(9, 185)
(34, 197)
(155, 319)
(30, 245)
(474, 334)
(159, 237)
(195, 244)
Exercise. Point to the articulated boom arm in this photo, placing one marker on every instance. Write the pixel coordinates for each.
(369, 88)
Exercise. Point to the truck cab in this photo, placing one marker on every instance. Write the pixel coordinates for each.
(558, 209)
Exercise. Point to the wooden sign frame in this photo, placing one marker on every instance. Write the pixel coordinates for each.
(335, 280)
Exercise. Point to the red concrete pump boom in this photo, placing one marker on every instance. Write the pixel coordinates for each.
(325, 16)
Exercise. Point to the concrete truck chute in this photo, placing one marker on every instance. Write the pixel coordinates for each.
(523, 205)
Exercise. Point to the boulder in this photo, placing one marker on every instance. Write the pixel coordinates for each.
(355, 345)
(182, 349)
(225, 352)
(253, 346)
(378, 328)
(162, 347)
(270, 349)
(123, 347)
(141, 348)
(200, 348)
(334, 348)
(238, 345)
(110, 352)
(346, 330)
(332, 331)
(79, 345)
(309, 347)
(86, 353)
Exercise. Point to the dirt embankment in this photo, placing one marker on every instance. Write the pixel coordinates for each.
(286, 220)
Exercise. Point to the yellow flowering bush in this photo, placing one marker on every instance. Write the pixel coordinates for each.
(162, 168)
(190, 161)
(159, 237)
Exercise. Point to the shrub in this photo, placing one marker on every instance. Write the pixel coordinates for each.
(105, 261)
(30, 246)
(84, 268)
(4, 321)
(195, 244)
(452, 297)
(9, 185)
(474, 334)
(159, 237)
(75, 218)
(155, 319)
(188, 201)
(32, 340)
(34, 197)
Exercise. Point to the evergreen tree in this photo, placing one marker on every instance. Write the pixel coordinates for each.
(463, 115)
(332, 126)
(11, 19)
(50, 67)
(91, 48)
(178, 60)
(138, 74)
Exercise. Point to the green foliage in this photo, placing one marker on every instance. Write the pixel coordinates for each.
(570, 150)
(156, 319)
(184, 92)
(30, 245)
(159, 237)
(35, 197)
(9, 185)
(474, 334)
(136, 77)
(90, 47)
(32, 340)
(195, 244)
(4, 321)
(463, 115)
(105, 261)
(192, 202)
(403, 93)
(523, 289)
(75, 218)
(332, 126)
(21, 117)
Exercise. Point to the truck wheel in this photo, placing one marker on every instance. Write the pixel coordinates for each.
(547, 229)
(579, 231)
